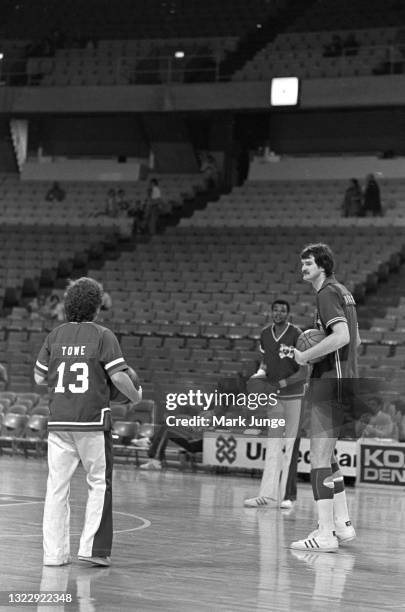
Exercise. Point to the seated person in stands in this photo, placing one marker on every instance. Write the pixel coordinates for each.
(375, 423)
(36, 307)
(334, 48)
(153, 204)
(111, 208)
(53, 308)
(122, 202)
(106, 301)
(209, 168)
(350, 44)
(352, 202)
(55, 193)
(137, 212)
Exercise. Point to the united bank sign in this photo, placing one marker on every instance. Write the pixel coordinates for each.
(227, 449)
(381, 464)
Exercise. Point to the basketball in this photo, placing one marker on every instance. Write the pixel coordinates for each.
(309, 338)
(116, 396)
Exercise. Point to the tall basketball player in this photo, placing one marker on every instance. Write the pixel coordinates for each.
(329, 383)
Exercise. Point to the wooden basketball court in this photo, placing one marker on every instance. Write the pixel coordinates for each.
(184, 542)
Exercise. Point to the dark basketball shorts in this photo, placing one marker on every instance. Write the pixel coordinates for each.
(337, 406)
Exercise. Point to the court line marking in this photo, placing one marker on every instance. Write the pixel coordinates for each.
(145, 523)
(22, 503)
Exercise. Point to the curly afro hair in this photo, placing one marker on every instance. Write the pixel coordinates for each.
(83, 298)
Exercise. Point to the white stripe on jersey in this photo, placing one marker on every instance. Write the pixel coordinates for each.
(335, 320)
(338, 375)
(41, 366)
(113, 363)
(79, 424)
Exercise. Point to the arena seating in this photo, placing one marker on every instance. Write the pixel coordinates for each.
(302, 54)
(194, 300)
(121, 62)
(348, 14)
(272, 203)
(24, 201)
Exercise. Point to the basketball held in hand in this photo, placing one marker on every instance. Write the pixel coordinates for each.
(309, 338)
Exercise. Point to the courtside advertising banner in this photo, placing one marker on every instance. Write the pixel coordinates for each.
(227, 449)
(381, 463)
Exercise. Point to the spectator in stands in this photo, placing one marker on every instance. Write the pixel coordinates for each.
(209, 168)
(352, 202)
(36, 307)
(111, 208)
(137, 212)
(106, 300)
(53, 308)
(55, 193)
(334, 48)
(153, 206)
(375, 423)
(372, 197)
(122, 202)
(350, 44)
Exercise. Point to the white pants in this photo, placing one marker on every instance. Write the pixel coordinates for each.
(277, 463)
(65, 450)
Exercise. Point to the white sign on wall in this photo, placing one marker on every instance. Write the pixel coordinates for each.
(222, 448)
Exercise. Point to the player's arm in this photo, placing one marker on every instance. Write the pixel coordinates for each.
(300, 375)
(124, 384)
(39, 379)
(262, 370)
(339, 337)
(41, 367)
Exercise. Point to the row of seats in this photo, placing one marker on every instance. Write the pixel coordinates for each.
(302, 55)
(122, 62)
(25, 200)
(348, 14)
(278, 202)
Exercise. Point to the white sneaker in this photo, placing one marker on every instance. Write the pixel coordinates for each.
(319, 543)
(152, 464)
(103, 561)
(258, 502)
(344, 532)
(287, 504)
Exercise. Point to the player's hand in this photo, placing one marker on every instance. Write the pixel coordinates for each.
(259, 374)
(299, 357)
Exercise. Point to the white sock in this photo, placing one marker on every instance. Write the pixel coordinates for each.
(340, 510)
(326, 524)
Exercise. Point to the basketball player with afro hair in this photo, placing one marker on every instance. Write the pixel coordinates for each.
(76, 362)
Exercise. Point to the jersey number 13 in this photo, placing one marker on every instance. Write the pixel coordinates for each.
(81, 384)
